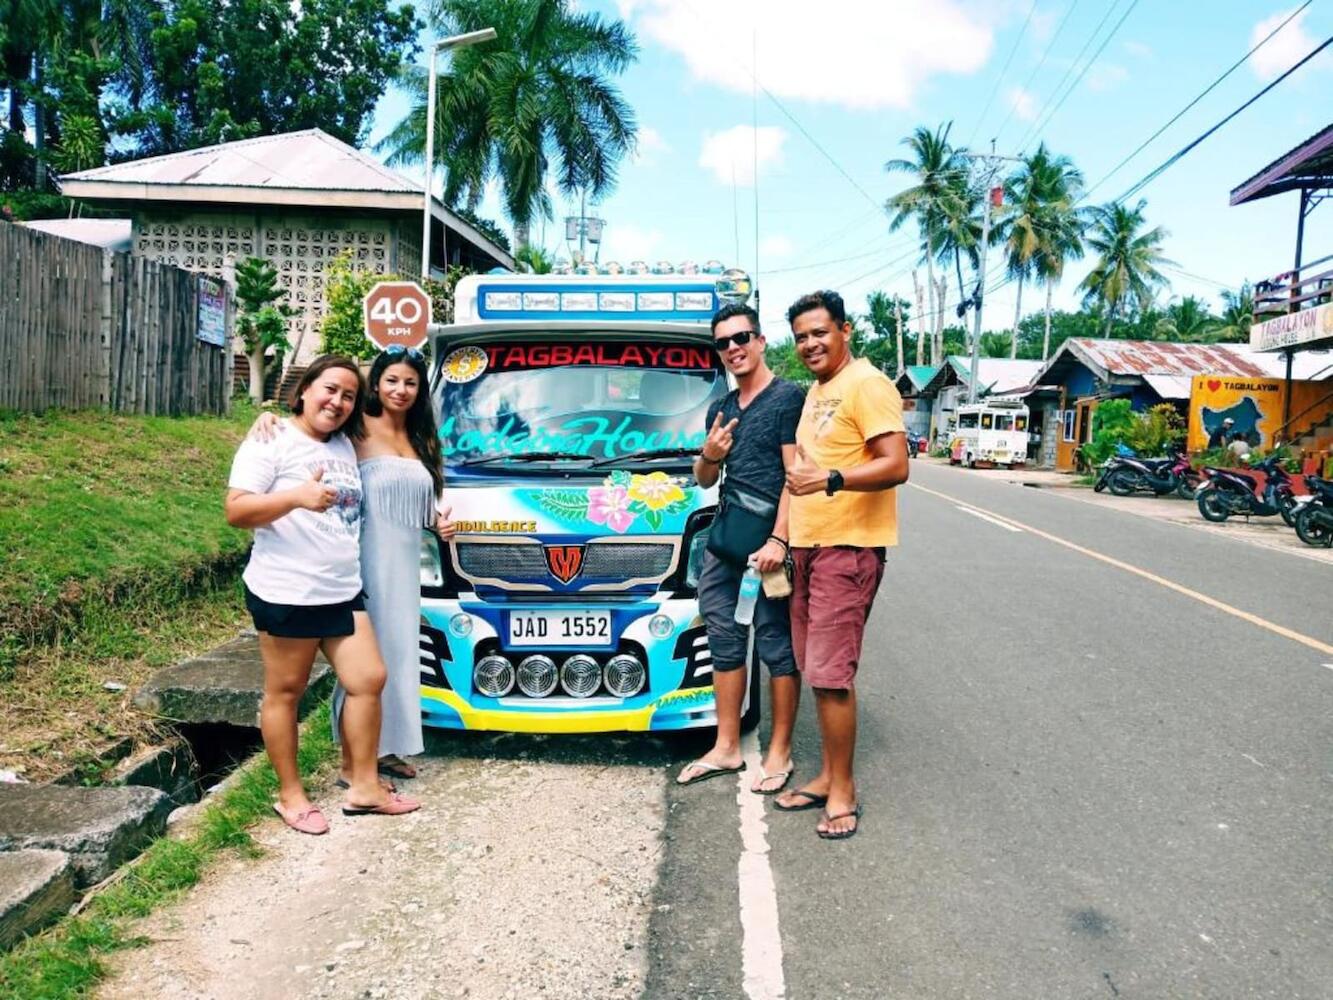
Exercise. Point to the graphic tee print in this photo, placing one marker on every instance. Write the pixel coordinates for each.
(840, 416)
(304, 557)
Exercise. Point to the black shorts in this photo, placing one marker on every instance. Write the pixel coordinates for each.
(304, 621)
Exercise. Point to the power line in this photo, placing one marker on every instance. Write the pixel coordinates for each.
(999, 82)
(823, 263)
(1083, 72)
(1040, 63)
(1206, 91)
(1059, 86)
(1175, 158)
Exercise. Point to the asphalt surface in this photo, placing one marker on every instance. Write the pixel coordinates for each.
(1078, 781)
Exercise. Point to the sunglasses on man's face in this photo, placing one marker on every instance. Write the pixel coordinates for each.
(396, 350)
(740, 339)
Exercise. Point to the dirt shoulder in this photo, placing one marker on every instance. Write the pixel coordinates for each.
(529, 873)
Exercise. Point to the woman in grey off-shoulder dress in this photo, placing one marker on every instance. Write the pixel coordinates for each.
(399, 501)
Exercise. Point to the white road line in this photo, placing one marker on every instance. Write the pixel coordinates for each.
(761, 942)
(987, 517)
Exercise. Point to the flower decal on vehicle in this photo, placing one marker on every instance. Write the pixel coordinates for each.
(619, 502)
(609, 505)
(656, 490)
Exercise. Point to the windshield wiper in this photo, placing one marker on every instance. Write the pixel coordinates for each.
(526, 456)
(643, 456)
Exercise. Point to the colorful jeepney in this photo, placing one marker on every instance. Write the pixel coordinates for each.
(570, 410)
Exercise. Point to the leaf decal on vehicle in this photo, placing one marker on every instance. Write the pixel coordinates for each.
(568, 505)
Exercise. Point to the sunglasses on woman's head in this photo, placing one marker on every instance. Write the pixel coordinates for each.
(394, 350)
(740, 339)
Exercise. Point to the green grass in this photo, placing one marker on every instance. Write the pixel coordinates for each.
(67, 959)
(97, 506)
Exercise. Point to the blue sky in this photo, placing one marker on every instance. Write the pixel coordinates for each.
(853, 77)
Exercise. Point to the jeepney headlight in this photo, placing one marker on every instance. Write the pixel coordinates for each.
(537, 675)
(580, 675)
(432, 572)
(625, 675)
(493, 676)
(660, 626)
(460, 625)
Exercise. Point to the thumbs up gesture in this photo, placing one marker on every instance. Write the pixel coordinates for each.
(315, 494)
(805, 477)
(444, 523)
(719, 441)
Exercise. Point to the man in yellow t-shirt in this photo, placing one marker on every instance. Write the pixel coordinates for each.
(851, 450)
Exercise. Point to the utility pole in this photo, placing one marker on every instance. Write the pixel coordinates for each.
(992, 165)
(898, 331)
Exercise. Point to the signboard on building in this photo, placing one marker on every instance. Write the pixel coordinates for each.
(211, 324)
(1254, 406)
(396, 312)
(1299, 329)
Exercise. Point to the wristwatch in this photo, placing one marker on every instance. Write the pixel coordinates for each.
(834, 482)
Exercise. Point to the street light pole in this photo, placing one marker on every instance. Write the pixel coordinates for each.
(992, 162)
(453, 42)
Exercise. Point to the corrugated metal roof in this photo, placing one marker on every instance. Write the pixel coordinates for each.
(1170, 386)
(1141, 357)
(1309, 165)
(110, 234)
(1305, 365)
(308, 160)
(920, 374)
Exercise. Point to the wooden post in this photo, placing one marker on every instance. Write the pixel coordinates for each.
(898, 329)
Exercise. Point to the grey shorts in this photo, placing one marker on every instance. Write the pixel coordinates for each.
(719, 585)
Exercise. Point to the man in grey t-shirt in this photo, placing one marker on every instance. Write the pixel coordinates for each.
(751, 441)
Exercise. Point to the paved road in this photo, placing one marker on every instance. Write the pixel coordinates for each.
(1095, 762)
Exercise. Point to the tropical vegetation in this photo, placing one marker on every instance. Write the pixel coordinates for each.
(98, 80)
(538, 99)
(1041, 226)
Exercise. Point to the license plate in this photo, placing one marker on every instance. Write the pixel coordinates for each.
(1002, 456)
(559, 628)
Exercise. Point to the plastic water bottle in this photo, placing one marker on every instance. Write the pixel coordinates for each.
(749, 593)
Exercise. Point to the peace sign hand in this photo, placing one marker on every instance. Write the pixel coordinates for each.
(719, 441)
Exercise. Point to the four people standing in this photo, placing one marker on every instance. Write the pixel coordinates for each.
(815, 472)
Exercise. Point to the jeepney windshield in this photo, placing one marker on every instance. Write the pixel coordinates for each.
(575, 398)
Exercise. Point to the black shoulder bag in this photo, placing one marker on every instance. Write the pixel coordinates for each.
(745, 519)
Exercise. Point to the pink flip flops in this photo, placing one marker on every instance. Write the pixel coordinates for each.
(394, 805)
(309, 821)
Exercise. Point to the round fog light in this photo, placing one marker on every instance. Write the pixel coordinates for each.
(625, 675)
(493, 676)
(461, 625)
(580, 675)
(537, 676)
(660, 626)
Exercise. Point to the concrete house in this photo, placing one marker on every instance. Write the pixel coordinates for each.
(298, 200)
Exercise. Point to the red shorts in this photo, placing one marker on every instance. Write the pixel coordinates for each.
(832, 591)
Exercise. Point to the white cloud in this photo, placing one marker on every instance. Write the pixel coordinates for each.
(650, 146)
(1024, 103)
(1106, 76)
(732, 155)
(776, 246)
(846, 52)
(1138, 50)
(1285, 49)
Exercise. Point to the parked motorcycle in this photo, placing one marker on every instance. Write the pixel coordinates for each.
(1314, 518)
(1223, 492)
(1126, 473)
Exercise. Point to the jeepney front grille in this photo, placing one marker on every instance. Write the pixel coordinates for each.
(501, 560)
(623, 560)
(522, 564)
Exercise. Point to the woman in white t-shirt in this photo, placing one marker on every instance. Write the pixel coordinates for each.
(301, 493)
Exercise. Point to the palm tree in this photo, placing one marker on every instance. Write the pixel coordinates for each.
(1062, 242)
(1041, 196)
(940, 173)
(537, 97)
(1128, 261)
(1237, 316)
(1187, 321)
(534, 258)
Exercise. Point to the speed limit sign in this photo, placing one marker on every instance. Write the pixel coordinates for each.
(396, 312)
